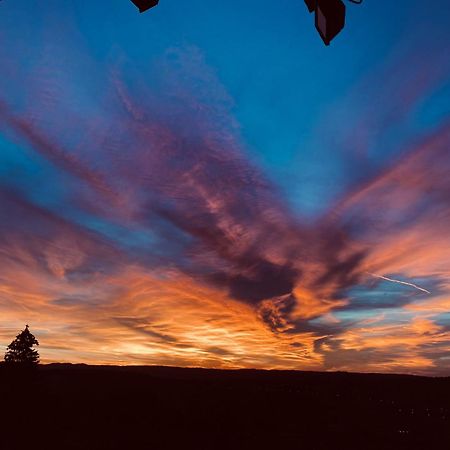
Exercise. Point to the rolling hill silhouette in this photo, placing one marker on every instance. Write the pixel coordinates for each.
(102, 407)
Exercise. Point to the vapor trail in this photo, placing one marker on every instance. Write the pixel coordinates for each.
(399, 281)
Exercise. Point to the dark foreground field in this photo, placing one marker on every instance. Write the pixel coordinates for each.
(157, 408)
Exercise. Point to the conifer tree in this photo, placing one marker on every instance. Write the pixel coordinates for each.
(21, 351)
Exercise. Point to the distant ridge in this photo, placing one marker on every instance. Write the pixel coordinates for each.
(78, 406)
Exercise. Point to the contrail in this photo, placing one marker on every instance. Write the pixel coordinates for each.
(400, 282)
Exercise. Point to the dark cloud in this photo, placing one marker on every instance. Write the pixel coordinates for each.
(262, 280)
(276, 313)
(219, 351)
(319, 328)
(344, 273)
(142, 326)
(51, 243)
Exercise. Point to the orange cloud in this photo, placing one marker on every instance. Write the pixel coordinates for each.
(147, 318)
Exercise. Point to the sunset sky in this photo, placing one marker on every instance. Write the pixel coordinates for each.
(209, 185)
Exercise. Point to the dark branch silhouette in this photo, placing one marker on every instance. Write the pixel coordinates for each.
(144, 5)
(329, 17)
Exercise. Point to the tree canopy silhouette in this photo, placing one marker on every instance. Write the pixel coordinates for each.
(21, 351)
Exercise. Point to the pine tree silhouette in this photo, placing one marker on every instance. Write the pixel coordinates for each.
(21, 349)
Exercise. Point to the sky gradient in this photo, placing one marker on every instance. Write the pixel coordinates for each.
(214, 187)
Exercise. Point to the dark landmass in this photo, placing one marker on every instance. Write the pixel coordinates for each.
(97, 407)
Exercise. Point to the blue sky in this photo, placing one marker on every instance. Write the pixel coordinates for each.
(274, 66)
